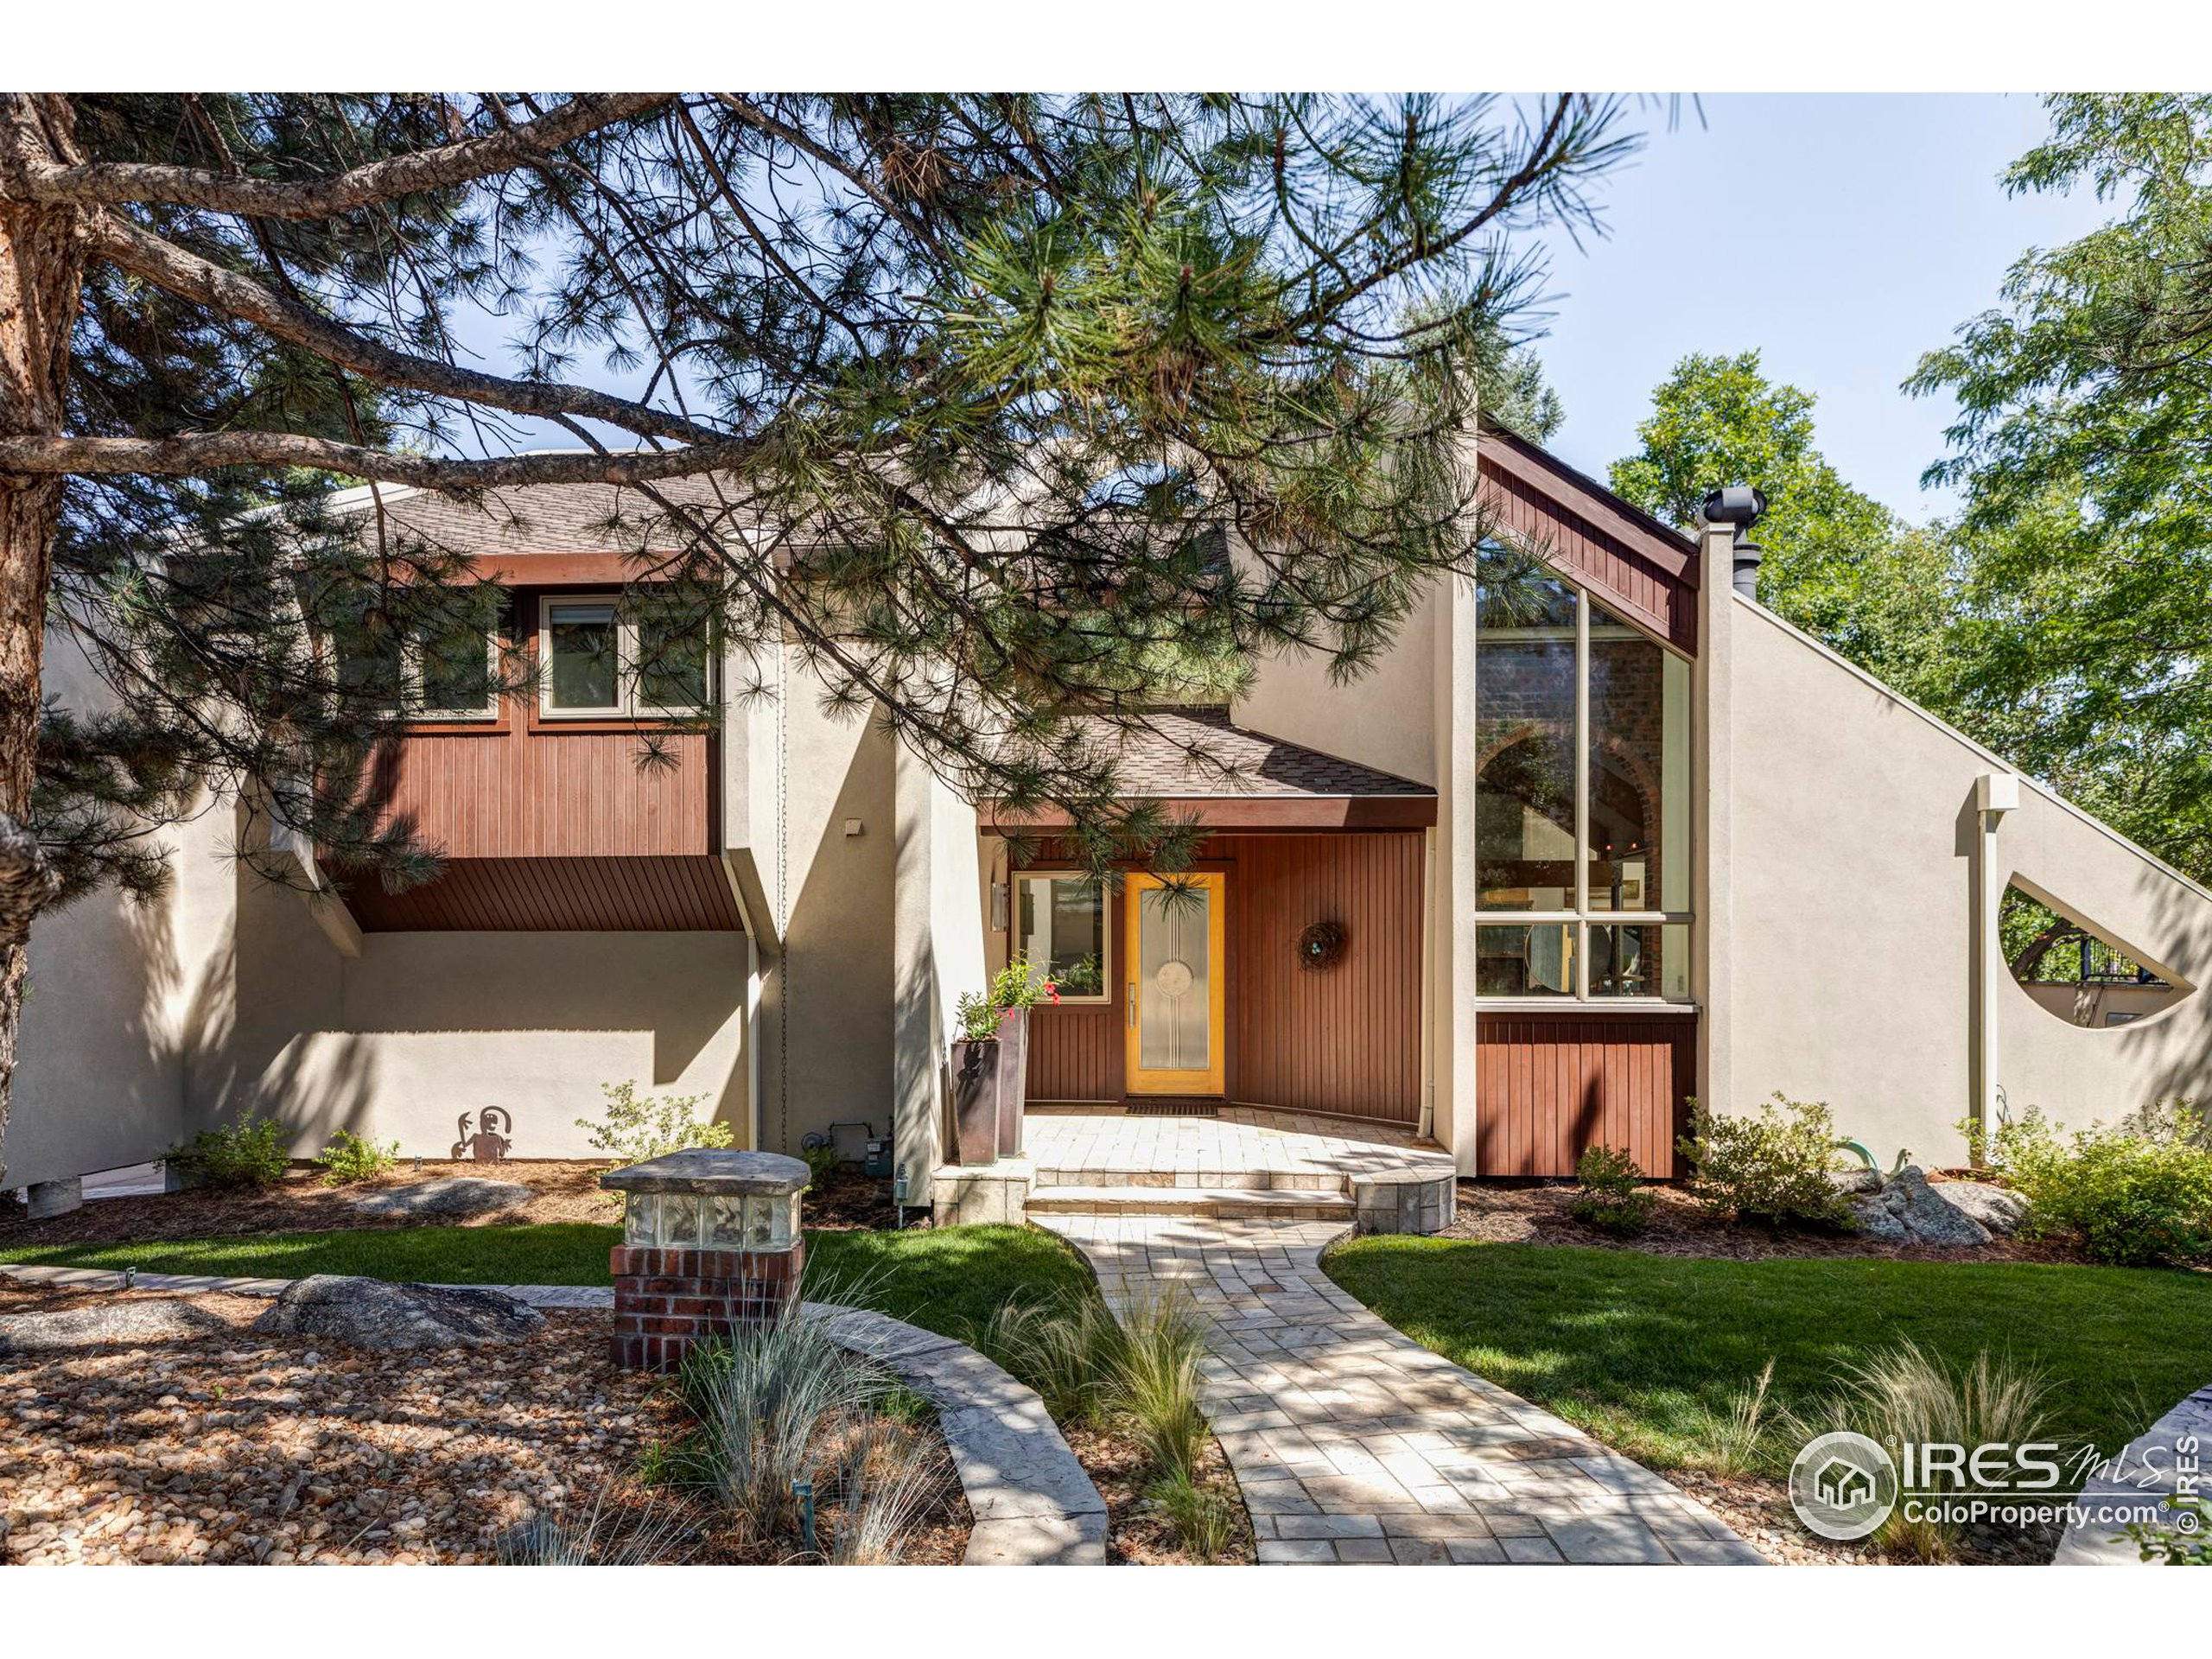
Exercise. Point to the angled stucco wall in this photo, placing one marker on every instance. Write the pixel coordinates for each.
(828, 985)
(1853, 947)
(939, 938)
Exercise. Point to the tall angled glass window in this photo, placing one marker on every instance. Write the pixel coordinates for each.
(1524, 718)
(1582, 795)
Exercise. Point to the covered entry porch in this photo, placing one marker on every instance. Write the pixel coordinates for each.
(1285, 969)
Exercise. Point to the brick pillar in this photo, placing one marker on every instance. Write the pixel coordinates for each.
(710, 1245)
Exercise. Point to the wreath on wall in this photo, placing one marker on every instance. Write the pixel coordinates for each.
(1321, 946)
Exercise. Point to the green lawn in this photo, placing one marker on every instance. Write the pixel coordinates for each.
(948, 1280)
(1646, 1352)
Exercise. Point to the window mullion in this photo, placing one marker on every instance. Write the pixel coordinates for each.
(1581, 765)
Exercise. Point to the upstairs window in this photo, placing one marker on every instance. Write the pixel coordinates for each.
(607, 656)
(1582, 799)
(444, 666)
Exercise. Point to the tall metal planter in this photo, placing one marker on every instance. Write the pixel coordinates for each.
(976, 1069)
(1014, 1079)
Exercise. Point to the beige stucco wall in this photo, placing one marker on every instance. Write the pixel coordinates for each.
(939, 951)
(1386, 718)
(112, 988)
(398, 1042)
(828, 985)
(1850, 965)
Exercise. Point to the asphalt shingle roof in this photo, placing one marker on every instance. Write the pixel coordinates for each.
(1155, 758)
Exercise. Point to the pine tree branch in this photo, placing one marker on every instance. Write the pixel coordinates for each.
(112, 183)
(138, 251)
(194, 454)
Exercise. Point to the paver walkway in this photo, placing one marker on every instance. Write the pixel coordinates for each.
(1354, 1443)
(1245, 1145)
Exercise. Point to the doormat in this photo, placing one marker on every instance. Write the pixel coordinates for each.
(1174, 1109)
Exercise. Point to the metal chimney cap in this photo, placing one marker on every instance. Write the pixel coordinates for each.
(1739, 504)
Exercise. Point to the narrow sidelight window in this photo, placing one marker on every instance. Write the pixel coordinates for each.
(1062, 930)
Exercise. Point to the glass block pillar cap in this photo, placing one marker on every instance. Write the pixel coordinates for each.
(712, 1174)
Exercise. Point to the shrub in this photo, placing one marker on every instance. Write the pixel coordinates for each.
(1904, 1394)
(2136, 1193)
(253, 1152)
(820, 1162)
(1199, 1515)
(349, 1158)
(633, 1130)
(2169, 1546)
(1773, 1166)
(1612, 1195)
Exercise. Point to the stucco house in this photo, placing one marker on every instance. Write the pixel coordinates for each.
(1599, 835)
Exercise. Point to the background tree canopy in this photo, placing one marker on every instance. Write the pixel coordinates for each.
(2063, 616)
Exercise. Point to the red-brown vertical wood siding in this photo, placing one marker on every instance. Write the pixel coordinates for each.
(1635, 572)
(1345, 1040)
(525, 791)
(1075, 1050)
(1547, 1086)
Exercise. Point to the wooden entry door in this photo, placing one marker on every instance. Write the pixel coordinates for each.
(1176, 971)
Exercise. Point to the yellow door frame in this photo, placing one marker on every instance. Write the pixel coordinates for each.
(1211, 1081)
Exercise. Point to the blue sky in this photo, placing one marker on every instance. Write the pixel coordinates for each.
(1840, 235)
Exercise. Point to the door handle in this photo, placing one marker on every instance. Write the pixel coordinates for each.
(1133, 1003)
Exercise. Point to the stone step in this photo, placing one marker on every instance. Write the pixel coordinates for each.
(1216, 1201)
(1328, 1181)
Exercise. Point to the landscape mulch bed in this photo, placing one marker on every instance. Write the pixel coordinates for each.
(1536, 1212)
(235, 1447)
(564, 1190)
(1137, 1534)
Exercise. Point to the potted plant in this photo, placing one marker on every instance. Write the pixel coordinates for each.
(1016, 988)
(978, 1066)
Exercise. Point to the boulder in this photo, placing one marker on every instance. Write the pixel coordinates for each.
(1908, 1205)
(449, 1197)
(1876, 1222)
(371, 1313)
(1860, 1180)
(1998, 1208)
(104, 1324)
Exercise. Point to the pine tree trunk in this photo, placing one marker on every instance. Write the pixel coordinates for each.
(41, 264)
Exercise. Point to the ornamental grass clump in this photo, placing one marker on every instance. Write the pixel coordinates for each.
(1905, 1396)
(885, 1482)
(1156, 1380)
(2136, 1193)
(1068, 1348)
(1774, 1165)
(768, 1402)
(595, 1537)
